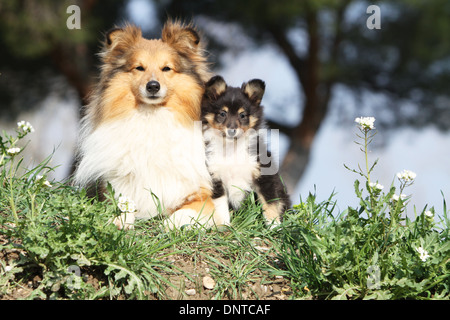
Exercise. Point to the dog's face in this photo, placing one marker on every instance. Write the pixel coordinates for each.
(153, 68)
(145, 74)
(232, 110)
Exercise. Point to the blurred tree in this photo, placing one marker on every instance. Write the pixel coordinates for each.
(36, 44)
(408, 58)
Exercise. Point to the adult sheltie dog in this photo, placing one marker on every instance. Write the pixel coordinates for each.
(142, 132)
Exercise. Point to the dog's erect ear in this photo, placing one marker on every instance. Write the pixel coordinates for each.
(215, 87)
(254, 90)
(126, 36)
(182, 37)
(186, 41)
(118, 42)
(112, 35)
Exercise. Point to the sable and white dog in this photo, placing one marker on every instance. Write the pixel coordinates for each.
(141, 130)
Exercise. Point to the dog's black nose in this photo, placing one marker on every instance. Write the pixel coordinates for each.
(153, 87)
(231, 132)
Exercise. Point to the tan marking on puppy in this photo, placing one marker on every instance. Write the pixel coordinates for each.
(254, 90)
(252, 121)
(210, 117)
(271, 210)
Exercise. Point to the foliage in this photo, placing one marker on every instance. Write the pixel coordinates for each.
(41, 55)
(396, 59)
(65, 234)
(36, 28)
(66, 239)
(370, 252)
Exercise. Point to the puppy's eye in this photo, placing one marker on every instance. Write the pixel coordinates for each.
(242, 115)
(140, 68)
(223, 113)
(166, 68)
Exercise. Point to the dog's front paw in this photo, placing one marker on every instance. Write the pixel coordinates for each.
(125, 221)
(181, 218)
(188, 218)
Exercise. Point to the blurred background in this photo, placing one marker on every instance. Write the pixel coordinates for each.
(322, 65)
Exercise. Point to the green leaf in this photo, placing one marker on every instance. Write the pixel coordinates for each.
(379, 295)
(122, 274)
(357, 190)
(345, 293)
(81, 259)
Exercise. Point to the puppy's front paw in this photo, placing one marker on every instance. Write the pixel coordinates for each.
(272, 224)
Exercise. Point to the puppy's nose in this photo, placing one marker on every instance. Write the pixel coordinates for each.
(153, 87)
(231, 132)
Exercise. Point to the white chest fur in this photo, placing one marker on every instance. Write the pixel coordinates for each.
(146, 153)
(232, 161)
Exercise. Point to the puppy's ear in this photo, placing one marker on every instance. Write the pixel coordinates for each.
(183, 38)
(215, 87)
(254, 90)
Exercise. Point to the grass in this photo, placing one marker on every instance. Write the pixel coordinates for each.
(56, 243)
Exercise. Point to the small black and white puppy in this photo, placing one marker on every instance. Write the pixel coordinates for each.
(232, 120)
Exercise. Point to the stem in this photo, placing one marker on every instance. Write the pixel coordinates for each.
(366, 131)
(400, 200)
(32, 200)
(11, 190)
(13, 209)
(3, 157)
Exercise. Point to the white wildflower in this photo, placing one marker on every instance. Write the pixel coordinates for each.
(126, 204)
(397, 197)
(423, 254)
(429, 214)
(366, 122)
(376, 186)
(406, 175)
(13, 151)
(45, 183)
(25, 126)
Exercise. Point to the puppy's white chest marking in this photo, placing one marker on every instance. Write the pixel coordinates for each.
(232, 162)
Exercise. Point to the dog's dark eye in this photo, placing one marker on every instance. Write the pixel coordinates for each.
(223, 113)
(242, 115)
(140, 68)
(165, 69)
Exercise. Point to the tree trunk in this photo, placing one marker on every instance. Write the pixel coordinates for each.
(297, 157)
(316, 90)
(75, 64)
